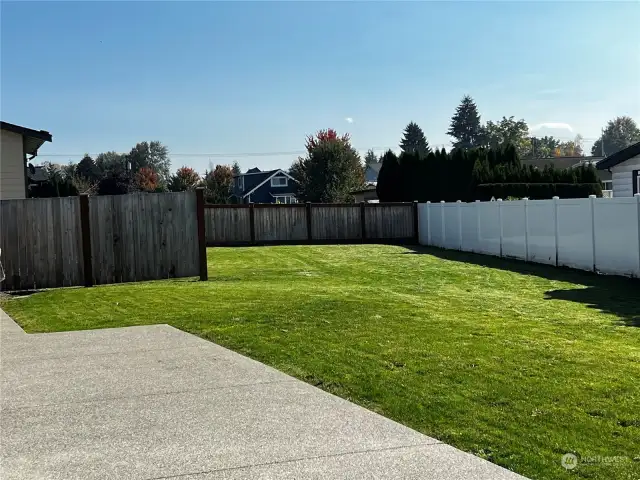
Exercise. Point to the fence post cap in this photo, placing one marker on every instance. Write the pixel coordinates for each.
(637, 195)
(526, 198)
(428, 201)
(556, 198)
(499, 200)
(477, 201)
(441, 201)
(592, 196)
(458, 201)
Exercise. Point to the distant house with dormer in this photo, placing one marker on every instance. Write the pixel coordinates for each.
(256, 186)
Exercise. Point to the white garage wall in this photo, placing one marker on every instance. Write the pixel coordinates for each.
(601, 234)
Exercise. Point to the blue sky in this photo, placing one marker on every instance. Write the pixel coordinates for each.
(211, 78)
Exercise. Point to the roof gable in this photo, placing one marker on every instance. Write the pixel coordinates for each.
(271, 174)
(255, 178)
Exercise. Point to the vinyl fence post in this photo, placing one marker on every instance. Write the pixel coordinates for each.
(526, 229)
(416, 229)
(459, 208)
(637, 196)
(500, 222)
(363, 222)
(309, 235)
(478, 228)
(85, 227)
(444, 233)
(557, 226)
(429, 223)
(252, 224)
(592, 206)
(202, 241)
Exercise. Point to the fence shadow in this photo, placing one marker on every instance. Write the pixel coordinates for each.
(619, 296)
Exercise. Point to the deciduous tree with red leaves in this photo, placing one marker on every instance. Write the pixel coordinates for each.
(217, 184)
(330, 171)
(146, 179)
(185, 178)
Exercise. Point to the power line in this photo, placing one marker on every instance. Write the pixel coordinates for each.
(273, 154)
(222, 155)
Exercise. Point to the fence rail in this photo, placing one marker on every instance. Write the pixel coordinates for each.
(310, 223)
(598, 234)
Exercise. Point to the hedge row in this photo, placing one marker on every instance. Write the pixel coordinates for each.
(537, 191)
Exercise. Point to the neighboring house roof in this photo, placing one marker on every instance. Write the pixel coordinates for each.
(375, 167)
(33, 139)
(37, 174)
(262, 181)
(364, 190)
(619, 157)
(253, 170)
(559, 162)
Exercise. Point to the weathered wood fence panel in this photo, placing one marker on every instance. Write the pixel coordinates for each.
(389, 221)
(276, 224)
(309, 223)
(227, 225)
(144, 237)
(41, 243)
(330, 222)
(128, 238)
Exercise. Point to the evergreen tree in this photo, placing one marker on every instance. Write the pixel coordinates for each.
(87, 169)
(414, 140)
(389, 187)
(235, 168)
(370, 157)
(465, 124)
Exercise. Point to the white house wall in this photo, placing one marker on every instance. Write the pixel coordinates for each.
(12, 181)
(622, 176)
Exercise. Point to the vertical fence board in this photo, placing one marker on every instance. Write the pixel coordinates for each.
(282, 223)
(389, 222)
(227, 225)
(34, 238)
(335, 222)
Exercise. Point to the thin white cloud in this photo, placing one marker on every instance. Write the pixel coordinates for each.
(564, 126)
(349, 120)
(549, 91)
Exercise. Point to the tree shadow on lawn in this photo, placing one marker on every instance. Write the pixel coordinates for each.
(608, 293)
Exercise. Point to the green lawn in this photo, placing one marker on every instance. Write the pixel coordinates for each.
(515, 363)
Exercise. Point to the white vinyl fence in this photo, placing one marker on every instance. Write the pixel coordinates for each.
(599, 234)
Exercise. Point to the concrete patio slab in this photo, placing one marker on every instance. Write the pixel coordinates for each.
(407, 463)
(154, 402)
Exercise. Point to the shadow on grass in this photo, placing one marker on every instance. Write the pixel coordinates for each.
(608, 293)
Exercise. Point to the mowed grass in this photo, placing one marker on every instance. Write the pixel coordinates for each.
(516, 363)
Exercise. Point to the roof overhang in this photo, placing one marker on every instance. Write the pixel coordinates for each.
(32, 139)
(619, 157)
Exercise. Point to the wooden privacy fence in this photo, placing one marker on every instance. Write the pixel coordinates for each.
(60, 242)
(311, 223)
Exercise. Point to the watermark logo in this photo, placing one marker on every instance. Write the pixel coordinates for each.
(569, 461)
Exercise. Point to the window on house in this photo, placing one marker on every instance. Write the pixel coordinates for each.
(607, 184)
(288, 199)
(240, 183)
(279, 181)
